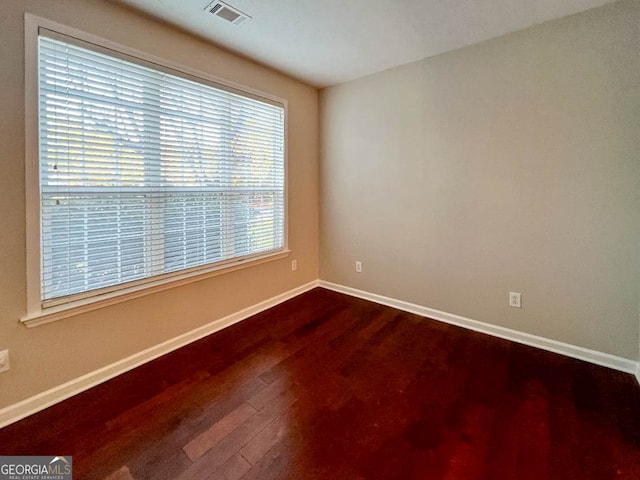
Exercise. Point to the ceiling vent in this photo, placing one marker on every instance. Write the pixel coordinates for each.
(226, 12)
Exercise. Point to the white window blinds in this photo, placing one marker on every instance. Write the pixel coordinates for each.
(145, 173)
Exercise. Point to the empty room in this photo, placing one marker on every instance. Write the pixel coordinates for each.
(356, 240)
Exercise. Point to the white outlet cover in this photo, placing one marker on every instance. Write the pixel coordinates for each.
(515, 299)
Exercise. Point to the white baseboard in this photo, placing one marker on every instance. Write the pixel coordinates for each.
(38, 402)
(581, 353)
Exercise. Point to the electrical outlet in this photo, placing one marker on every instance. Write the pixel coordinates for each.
(358, 266)
(294, 265)
(515, 300)
(4, 360)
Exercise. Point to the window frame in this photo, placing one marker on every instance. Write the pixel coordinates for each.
(37, 313)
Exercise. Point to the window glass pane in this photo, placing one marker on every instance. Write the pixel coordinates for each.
(144, 173)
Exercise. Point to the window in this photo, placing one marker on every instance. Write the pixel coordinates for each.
(145, 172)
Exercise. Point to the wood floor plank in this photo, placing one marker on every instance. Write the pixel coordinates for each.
(330, 386)
(271, 391)
(121, 474)
(209, 438)
(277, 464)
(259, 445)
(232, 469)
(231, 444)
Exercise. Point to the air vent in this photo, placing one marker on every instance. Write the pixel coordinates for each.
(226, 12)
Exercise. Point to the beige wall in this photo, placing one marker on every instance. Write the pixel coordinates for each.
(49, 355)
(512, 165)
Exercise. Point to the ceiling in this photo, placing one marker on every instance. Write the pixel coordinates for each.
(331, 41)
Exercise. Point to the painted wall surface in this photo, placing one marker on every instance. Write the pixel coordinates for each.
(511, 165)
(48, 355)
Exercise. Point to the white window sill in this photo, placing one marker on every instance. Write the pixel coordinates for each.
(52, 314)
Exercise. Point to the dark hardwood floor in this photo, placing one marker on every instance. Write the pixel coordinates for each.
(326, 386)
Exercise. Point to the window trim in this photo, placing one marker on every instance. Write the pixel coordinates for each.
(36, 313)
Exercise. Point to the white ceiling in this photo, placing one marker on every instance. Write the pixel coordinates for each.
(324, 42)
